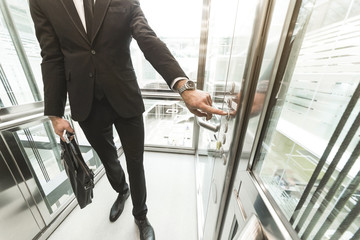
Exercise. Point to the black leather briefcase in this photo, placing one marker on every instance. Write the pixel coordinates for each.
(80, 176)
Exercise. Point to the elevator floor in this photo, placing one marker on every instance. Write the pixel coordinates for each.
(171, 200)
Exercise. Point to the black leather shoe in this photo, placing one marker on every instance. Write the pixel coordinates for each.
(118, 206)
(145, 229)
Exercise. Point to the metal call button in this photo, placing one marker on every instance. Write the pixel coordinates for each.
(218, 145)
(214, 191)
(232, 91)
(229, 102)
(226, 127)
(221, 150)
(224, 158)
(228, 116)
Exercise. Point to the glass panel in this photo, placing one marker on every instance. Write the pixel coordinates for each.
(40, 149)
(309, 158)
(168, 123)
(20, 14)
(228, 44)
(237, 65)
(221, 31)
(14, 88)
(221, 28)
(181, 35)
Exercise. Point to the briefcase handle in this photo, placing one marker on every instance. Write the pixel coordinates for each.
(66, 136)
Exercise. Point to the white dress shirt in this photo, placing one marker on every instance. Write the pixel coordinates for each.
(79, 5)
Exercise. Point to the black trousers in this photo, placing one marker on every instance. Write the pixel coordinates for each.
(99, 132)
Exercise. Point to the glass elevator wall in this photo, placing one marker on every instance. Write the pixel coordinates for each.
(29, 147)
(306, 157)
(309, 157)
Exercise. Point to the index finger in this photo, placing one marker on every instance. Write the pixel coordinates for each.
(212, 110)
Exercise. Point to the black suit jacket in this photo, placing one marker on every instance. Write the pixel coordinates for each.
(71, 61)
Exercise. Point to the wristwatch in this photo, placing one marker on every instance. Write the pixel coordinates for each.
(189, 85)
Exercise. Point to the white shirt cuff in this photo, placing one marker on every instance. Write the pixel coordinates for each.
(175, 81)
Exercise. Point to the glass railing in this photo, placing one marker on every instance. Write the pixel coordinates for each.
(33, 146)
(168, 123)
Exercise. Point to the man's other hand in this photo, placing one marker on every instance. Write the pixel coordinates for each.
(60, 125)
(200, 103)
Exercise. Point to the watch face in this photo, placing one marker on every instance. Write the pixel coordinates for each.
(190, 84)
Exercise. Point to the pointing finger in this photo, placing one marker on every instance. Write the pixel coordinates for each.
(212, 110)
(198, 113)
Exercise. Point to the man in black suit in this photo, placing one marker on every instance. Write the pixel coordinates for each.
(85, 51)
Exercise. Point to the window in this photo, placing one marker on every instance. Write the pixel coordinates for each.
(309, 159)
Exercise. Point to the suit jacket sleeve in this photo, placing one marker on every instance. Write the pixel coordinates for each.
(52, 66)
(155, 51)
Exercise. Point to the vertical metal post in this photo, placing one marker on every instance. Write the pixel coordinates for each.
(204, 35)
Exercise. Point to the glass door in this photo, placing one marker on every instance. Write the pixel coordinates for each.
(230, 30)
(301, 178)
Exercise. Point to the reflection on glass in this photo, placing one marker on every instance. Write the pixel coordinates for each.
(310, 172)
(273, 39)
(168, 123)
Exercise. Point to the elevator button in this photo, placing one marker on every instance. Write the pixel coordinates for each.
(228, 116)
(226, 127)
(214, 191)
(221, 150)
(229, 102)
(218, 145)
(232, 91)
(224, 158)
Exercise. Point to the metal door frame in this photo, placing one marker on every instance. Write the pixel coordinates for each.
(257, 200)
(251, 74)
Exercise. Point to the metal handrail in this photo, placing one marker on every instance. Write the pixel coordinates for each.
(14, 116)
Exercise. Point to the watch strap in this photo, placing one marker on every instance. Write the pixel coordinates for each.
(185, 87)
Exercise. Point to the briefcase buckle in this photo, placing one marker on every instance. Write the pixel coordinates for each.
(89, 185)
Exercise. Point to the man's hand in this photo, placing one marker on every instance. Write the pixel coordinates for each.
(200, 103)
(60, 125)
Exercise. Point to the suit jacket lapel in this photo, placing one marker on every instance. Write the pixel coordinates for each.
(73, 14)
(100, 10)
